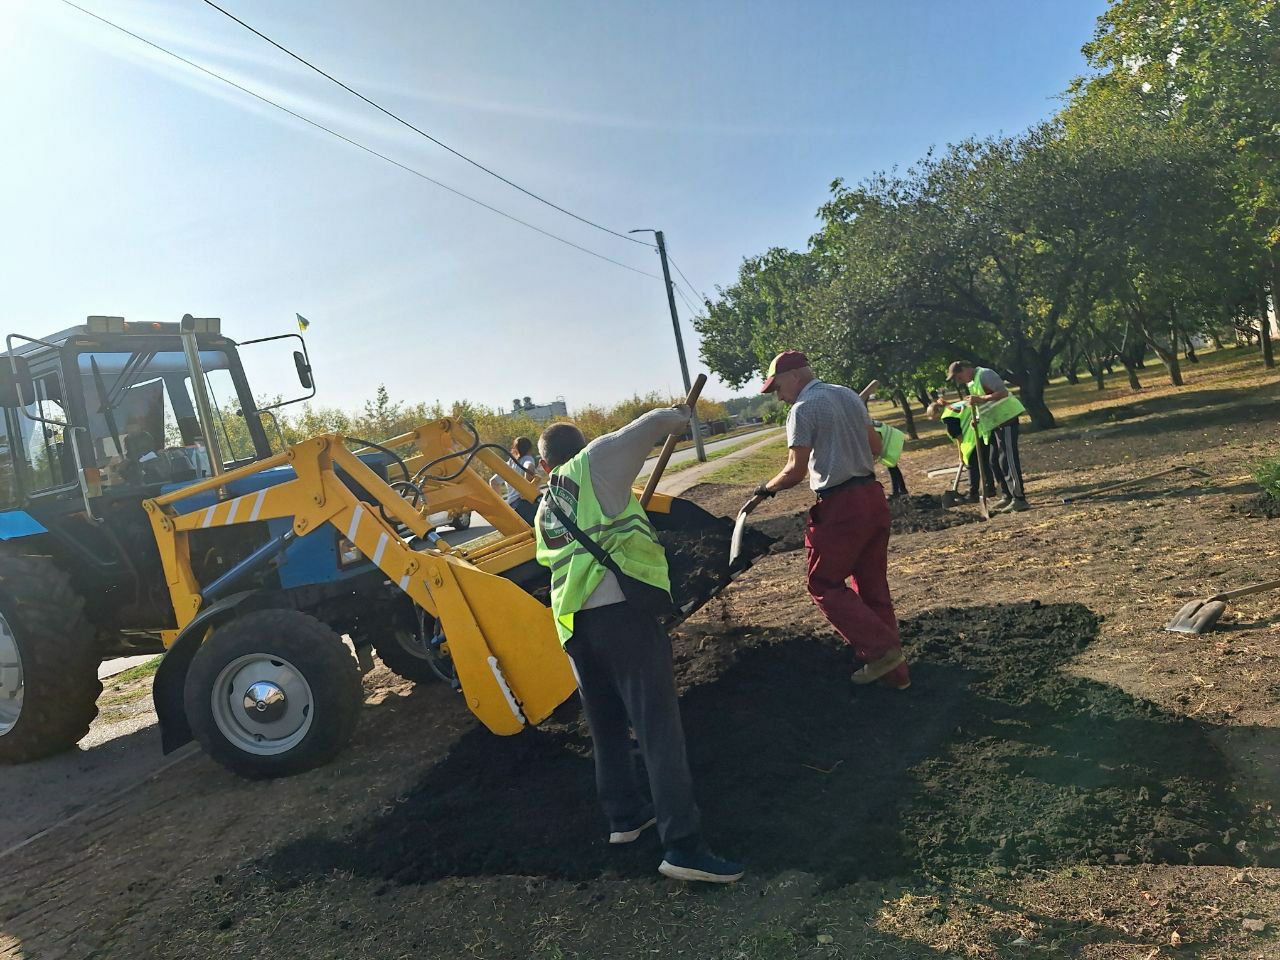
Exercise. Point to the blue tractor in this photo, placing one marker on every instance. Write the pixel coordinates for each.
(103, 416)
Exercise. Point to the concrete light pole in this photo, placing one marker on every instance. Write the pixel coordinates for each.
(694, 426)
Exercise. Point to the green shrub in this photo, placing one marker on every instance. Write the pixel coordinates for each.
(1267, 473)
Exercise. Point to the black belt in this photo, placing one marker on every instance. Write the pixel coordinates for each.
(844, 484)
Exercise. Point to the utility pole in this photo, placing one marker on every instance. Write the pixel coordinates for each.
(694, 426)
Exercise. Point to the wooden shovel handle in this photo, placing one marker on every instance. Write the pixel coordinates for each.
(1120, 485)
(669, 447)
(1246, 591)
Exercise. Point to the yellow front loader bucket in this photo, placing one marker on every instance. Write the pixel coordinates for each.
(503, 645)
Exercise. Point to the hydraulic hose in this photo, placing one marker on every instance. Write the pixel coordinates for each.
(469, 453)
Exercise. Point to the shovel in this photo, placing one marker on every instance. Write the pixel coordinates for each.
(1199, 616)
(1128, 483)
(739, 528)
(949, 497)
(984, 468)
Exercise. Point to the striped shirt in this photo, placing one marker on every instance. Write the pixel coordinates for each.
(833, 421)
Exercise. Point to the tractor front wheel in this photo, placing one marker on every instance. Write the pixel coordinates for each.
(273, 693)
(48, 661)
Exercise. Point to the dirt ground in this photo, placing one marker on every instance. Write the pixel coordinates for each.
(1063, 779)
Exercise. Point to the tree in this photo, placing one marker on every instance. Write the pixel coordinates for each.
(1212, 66)
(739, 329)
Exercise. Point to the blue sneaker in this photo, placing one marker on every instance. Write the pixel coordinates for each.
(630, 833)
(699, 864)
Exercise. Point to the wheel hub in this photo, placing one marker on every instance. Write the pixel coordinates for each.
(262, 704)
(265, 702)
(11, 686)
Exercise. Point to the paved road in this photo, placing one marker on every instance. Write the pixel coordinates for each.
(690, 453)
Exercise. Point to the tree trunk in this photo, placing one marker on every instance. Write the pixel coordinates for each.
(1132, 370)
(1097, 367)
(1032, 392)
(1033, 399)
(922, 394)
(1170, 360)
(1264, 329)
(1073, 377)
(1191, 349)
(905, 406)
(1216, 338)
(1168, 356)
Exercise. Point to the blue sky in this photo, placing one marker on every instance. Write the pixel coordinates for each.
(134, 186)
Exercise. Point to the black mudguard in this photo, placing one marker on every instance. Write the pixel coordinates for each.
(171, 675)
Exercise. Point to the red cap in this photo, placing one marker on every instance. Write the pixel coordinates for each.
(786, 360)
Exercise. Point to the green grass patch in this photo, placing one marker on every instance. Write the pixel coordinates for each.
(713, 455)
(755, 468)
(141, 672)
(1267, 473)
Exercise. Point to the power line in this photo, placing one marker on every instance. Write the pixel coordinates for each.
(692, 289)
(358, 145)
(396, 117)
(687, 302)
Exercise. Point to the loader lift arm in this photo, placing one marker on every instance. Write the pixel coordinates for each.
(510, 664)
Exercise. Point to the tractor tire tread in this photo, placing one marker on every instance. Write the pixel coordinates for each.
(403, 663)
(60, 658)
(314, 649)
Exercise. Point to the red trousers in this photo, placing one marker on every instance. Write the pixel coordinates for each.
(847, 539)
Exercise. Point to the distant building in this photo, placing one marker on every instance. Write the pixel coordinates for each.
(539, 412)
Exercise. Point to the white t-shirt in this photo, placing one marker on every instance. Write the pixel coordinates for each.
(528, 465)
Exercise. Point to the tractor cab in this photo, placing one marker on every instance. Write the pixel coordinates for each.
(102, 416)
(112, 409)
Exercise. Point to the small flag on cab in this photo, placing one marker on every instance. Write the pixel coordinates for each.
(303, 322)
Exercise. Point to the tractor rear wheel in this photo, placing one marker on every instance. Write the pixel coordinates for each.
(273, 693)
(412, 651)
(48, 661)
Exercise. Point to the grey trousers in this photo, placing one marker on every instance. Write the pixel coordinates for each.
(1009, 463)
(623, 664)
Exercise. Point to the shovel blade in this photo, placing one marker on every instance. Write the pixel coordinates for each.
(1198, 616)
(735, 545)
(948, 499)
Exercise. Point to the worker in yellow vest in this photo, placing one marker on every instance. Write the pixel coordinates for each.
(892, 441)
(957, 418)
(998, 411)
(609, 584)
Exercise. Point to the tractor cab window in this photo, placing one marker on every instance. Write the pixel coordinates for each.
(41, 440)
(141, 415)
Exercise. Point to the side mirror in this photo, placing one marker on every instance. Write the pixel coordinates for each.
(304, 370)
(19, 390)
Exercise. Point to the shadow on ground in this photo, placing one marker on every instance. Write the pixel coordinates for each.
(995, 757)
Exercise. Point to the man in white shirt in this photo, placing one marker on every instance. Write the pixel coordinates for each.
(833, 441)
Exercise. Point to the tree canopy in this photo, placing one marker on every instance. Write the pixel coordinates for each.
(1141, 216)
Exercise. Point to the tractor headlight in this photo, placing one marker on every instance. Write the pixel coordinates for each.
(348, 554)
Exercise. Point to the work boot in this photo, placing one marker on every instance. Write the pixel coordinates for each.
(698, 863)
(899, 678)
(629, 832)
(1002, 504)
(971, 497)
(1010, 506)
